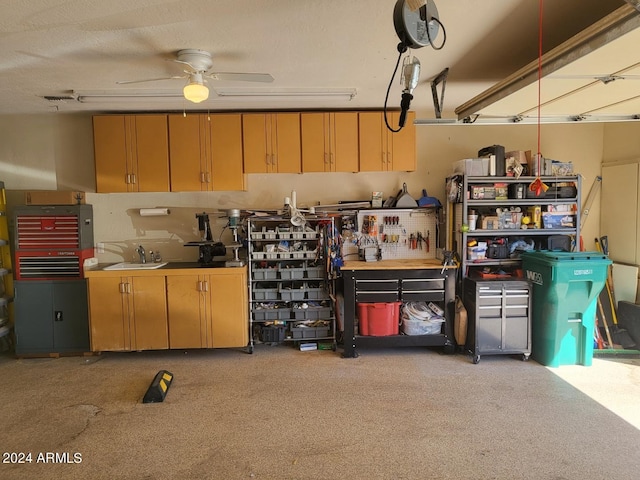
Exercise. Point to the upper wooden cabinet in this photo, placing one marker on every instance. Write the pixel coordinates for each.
(271, 142)
(383, 150)
(329, 141)
(205, 152)
(131, 153)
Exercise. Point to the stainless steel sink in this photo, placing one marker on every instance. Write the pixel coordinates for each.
(135, 266)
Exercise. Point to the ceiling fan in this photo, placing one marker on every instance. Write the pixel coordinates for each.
(200, 63)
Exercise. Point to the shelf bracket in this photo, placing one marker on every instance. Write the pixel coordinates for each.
(438, 103)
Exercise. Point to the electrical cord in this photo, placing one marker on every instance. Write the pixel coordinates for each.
(444, 34)
(401, 49)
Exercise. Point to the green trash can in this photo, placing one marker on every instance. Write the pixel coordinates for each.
(566, 286)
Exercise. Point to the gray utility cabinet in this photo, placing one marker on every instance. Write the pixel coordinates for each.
(499, 317)
(51, 316)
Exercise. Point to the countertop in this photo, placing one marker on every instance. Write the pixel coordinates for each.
(171, 268)
(410, 264)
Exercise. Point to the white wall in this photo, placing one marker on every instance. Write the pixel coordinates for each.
(56, 152)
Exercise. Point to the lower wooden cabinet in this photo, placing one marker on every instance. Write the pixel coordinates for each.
(128, 313)
(157, 310)
(208, 311)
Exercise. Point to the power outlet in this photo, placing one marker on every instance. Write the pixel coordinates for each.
(100, 247)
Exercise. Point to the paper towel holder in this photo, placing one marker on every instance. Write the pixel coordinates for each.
(154, 212)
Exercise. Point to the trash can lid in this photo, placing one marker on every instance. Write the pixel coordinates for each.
(553, 257)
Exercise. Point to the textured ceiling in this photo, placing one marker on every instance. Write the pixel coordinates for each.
(56, 47)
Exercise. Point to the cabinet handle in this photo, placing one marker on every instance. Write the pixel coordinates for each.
(121, 287)
(127, 178)
(326, 158)
(202, 179)
(208, 177)
(267, 159)
(134, 180)
(199, 286)
(273, 159)
(331, 157)
(128, 287)
(206, 286)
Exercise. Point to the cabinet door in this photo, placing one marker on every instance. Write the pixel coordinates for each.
(110, 153)
(315, 154)
(226, 152)
(344, 142)
(148, 324)
(329, 142)
(33, 319)
(188, 323)
(70, 316)
(186, 152)
(286, 147)
(256, 157)
(229, 315)
(372, 142)
(108, 315)
(151, 153)
(382, 149)
(402, 145)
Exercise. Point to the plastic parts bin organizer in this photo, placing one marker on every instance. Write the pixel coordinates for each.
(379, 319)
(565, 290)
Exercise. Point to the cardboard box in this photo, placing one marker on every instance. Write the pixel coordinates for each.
(54, 197)
(517, 163)
(501, 191)
(558, 220)
(483, 192)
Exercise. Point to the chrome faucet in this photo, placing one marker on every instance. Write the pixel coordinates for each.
(140, 251)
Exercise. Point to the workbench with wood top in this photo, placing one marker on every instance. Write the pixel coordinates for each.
(415, 280)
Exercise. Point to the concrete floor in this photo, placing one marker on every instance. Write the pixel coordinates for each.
(283, 414)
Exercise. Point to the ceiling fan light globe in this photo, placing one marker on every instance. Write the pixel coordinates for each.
(195, 92)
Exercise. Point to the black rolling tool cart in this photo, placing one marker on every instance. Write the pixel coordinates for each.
(499, 317)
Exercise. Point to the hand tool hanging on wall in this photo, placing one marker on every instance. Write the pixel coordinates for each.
(620, 336)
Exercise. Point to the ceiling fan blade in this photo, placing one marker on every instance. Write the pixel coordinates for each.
(126, 82)
(241, 77)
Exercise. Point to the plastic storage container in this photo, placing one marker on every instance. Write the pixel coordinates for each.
(379, 319)
(565, 290)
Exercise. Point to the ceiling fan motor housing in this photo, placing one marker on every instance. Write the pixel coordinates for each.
(199, 60)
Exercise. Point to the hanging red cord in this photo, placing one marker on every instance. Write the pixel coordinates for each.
(537, 185)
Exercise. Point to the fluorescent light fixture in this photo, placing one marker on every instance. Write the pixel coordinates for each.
(196, 91)
(221, 95)
(113, 96)
(346, 94)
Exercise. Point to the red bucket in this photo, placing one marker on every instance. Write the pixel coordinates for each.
(379, 319)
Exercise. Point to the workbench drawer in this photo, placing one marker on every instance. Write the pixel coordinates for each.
(377, 297)
(422, 295)
(421, 284)
(377, 285)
